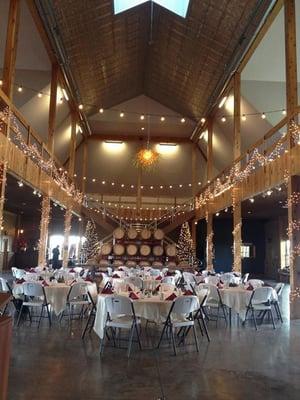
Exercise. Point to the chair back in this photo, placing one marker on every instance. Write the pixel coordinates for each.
(279, 288)
(77, 290)
(168, 280)
(155, 272)
(18, 273)
(262, 295)
(185, 304)
(255, 283)
(33, 289)
(118, 305)
(213, 291)
(212, 279)
(135, 281)
(245, 278)
(188, 277)
(202, 294)
(4, 286)
(228, 277)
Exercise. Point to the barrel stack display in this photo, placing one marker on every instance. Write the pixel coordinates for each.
(132, 247)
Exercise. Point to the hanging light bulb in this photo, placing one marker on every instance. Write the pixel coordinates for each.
(101, 111)
(182, 120)
(142, 117)
(40, 95)
(263, 115)
(244, 117)
(223, 119)
(80, 106)
(121, 114)
(162, 119)
(20, 89)
(202, 120)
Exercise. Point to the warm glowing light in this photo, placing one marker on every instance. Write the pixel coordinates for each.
(244, 117)
(20, 89)
(121, 114)
(40, 95)
(166, 148)
(80, 106)
(182, 120)
(204, 135)
(142, 117)
(101, 111)
(162, 119)
(251, 200)
(283, 112)
(93, 180)
(114, 146)
(269, 192)
(222, 102)
(146, 158)
(263, 116)
(202, 120)
(229, 104)
(1, 82)
(223, 119)
(65, 94)
(142, 128)
(103, 182)
(217, 214)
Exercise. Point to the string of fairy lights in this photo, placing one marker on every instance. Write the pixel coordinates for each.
(122, 114)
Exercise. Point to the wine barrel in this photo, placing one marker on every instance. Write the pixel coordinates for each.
(119, 249)
(145, 234)
(130, 264)
(119, 233)
(158, 234)
(106, 249)
(158, 251)
(157, 264)
(132, 233)
(103, 263)
(171, 250)
(131, 249)
(145, 250)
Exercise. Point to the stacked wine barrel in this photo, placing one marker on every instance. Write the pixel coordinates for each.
(133, 247)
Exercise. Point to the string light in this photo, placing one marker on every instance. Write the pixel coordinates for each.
(263, 115)
(101, 111)
(121, 114)
(40, 95)
(20, 89)
(244, 117)
(182, 120)
(162, 119)
(223, 119)
(142, 117)
(80, 106)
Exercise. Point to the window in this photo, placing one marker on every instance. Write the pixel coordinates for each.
(178, 7)
(58, 240)
(245, 251)
(284, 253)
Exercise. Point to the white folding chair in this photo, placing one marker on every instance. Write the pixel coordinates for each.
(35, 297)
(120, 315)
(214, 301)
(168, 279)
(200, 315)
(5, 288)
(135, 281)
(260, 301)
(18, 273)
(255, 283)
(77, 297)
(275, 302)
(188, 277)
(181, 315)
(212, 279)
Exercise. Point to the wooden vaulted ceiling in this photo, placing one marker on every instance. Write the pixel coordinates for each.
(112, 59)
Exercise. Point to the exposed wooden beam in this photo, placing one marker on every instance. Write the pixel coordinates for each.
(293, 181)
(130, 138)
(209, 171)
(11, 47)
(201, 151)
(52, 107)
(72, 151)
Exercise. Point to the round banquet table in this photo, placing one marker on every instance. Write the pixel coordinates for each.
(151, 308)
(56, 294)
(237, 299)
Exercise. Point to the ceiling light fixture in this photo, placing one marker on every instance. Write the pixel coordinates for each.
(222, 102)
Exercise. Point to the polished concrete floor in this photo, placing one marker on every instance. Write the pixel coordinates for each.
(239, 363)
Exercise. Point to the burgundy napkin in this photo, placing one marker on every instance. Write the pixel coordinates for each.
(88, 279)
(72, 270)
(121, 269)
(129, 289)
(115, 276)
(188, 293)
(220, 285)
(159, 278)
(107, 291)
(169, 273)
(32, 270)
(250, 287)
(133, 296)
(199, 274)
(157, 287)
(20, 280)
(44, 283)
(171, 297)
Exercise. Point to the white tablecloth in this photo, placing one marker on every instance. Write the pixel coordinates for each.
(153, 309)
(238, 299)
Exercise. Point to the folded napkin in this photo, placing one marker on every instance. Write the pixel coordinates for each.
(250, 287)
(41, 279)
(116, 276)
(133, 296)
(169, 273)
(32, 270)
(157, 287)
(171, 297)
(72, 270)
(121, 269)
(19, 281)
(107, 291)
(45, 284)
(88, 279)
(159, 278)
(129, 289)
(188, 293)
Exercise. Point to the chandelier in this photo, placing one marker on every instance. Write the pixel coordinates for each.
(146, 157)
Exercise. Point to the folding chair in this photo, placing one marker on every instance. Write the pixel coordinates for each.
(260, 301)
(275, 302)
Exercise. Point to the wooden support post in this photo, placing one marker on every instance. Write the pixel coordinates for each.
(67, 230)
(11, 47)
(52, 108)
(209, 242)
(84, 166)
(236, 202)
(293, 181)
(72, 152)
(194, 233)
(209, 170)
(194, 172)
(3, 169)
(44, 226)
(139, 191)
